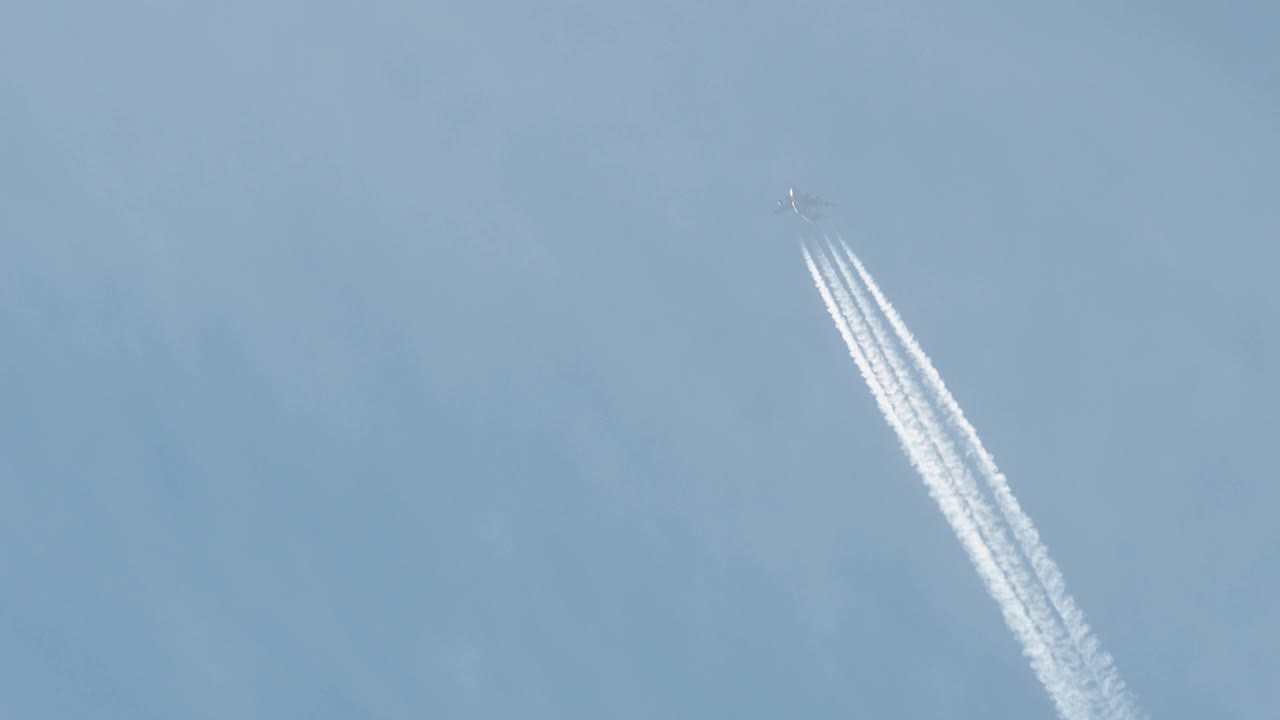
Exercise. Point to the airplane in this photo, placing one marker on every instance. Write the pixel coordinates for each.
(803, 205)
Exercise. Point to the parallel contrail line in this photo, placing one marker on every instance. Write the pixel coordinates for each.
(844, 314)
(1028, 590)
(1117, 701)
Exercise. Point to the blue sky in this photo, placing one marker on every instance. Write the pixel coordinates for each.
(401, 360)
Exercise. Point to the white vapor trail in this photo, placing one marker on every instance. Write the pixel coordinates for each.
(1106, 692)
(1059, 680)
(961, 480)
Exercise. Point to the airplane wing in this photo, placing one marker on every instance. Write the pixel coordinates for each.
(811, 201)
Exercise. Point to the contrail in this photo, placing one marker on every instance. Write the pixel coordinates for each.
(991, 529)
(1063, 688)
(1106, 691)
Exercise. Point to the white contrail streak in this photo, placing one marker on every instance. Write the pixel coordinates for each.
(1106, 692)
(1062, 688)
(991, 529)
